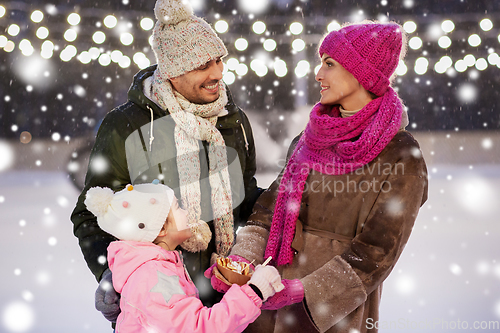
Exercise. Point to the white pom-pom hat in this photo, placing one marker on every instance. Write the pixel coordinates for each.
(136, 213)
(182, 41)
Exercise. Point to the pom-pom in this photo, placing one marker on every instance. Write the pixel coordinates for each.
(125, 204)
(200, 239)
(172, 11)
(152, 201)
(98, 199)
(156, 181)
(130, 187)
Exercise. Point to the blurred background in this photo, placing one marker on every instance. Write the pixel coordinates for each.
(65, 64)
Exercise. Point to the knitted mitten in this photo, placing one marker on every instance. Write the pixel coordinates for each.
(292, 293)
(267, 279)
(107, 300)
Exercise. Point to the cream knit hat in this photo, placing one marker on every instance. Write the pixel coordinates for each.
(181, 41)
(136, 213)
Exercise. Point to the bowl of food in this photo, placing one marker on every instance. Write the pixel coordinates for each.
(234, 271)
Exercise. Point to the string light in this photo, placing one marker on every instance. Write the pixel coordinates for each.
(437, 34)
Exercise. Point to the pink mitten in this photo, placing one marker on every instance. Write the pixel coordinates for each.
(218, 284)
(292, 293)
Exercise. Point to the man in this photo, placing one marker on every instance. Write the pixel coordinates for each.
(181, 127)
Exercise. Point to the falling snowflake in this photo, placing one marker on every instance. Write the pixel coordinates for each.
(467, 93)
(18, 317)
(455, 269)
(405, 284)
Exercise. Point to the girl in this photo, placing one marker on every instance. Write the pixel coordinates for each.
(157, 294)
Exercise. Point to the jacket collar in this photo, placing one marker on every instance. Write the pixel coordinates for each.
(136, 95)
(124, 257)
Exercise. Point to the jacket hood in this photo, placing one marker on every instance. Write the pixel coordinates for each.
(136, 94)
(124, 257)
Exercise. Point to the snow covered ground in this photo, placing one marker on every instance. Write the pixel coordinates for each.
(448, 277)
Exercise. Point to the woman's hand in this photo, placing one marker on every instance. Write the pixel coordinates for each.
(291, 294)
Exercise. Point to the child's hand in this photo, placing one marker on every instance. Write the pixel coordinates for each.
(268, 280)
(107, 300)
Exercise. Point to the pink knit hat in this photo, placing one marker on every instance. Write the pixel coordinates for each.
(182, 41)
(369, 50)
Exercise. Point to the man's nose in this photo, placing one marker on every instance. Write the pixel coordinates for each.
(215, 71)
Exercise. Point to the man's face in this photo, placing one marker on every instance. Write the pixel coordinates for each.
(201, 85)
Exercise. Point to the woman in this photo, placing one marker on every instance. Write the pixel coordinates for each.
(338, 217)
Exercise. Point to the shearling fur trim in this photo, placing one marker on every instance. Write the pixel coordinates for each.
(250, 243)
(333, 292)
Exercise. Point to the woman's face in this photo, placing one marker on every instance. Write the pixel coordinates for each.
(338, 86)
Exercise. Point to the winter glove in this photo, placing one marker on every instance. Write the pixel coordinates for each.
(212, 272)
(292, 293)
(267, 280)
(107, 300)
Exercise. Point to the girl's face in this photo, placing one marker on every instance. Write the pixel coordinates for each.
(178, 215)
(338, 86)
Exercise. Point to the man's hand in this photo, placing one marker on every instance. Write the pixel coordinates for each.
(107, 300)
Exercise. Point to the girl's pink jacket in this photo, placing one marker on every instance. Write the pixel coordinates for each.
(157, 294)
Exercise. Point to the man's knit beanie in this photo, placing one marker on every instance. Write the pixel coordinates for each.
(136, 213)
(369, 50)
(182, 41)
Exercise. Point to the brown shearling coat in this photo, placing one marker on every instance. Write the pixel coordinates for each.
(351, 231)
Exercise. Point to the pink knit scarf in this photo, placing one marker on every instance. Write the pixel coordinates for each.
(334, 146)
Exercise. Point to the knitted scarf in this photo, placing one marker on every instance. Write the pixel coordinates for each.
(195, 122)
(331, 145)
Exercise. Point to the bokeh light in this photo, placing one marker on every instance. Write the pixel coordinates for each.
(37, 16)
(474, 40)
(486, 24)
(259, 27)
(74, 19)
(270, 45)
(42, 32)
(444, 42)
(415, 43)
(448, 26)
(241, 44)
(110, 21)
(298, 45)
(303, 68)
(333, 26)
(410, 27)
(13, 30)
(98, 37)
(147, 24)
(296, 28)
(6, 155)
(221, 26)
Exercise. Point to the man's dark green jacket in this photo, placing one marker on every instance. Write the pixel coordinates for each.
(111, 164)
